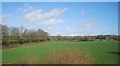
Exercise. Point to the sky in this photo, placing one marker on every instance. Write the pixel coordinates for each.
(60, 0)
(63, 18)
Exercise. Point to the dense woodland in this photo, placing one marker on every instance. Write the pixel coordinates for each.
(21, 35)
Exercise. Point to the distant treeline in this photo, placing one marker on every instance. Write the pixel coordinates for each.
(21, 35)
(85, 38)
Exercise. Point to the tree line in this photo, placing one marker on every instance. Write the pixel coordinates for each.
(85, 38)
(21, 35)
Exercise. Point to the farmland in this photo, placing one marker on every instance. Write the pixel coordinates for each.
(59, 33)
(101, 52)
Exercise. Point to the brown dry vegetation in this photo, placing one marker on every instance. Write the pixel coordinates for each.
(27, 60)
(69, 56)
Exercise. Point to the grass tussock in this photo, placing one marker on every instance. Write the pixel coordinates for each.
(69, 56)
(27, 60)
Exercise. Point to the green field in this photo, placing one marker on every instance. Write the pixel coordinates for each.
(101, 51)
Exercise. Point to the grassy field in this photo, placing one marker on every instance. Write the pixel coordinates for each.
(103, 52)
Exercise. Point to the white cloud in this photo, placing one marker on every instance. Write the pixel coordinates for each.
(86, 28)
(54, 13)
(4, 17)
(27, 8)
(51, 22)
(38, 14)
(49, 25)
(46, 20)
(63, 32)
(82, 13)
(69, 32)
(87, 25)
(32, 16)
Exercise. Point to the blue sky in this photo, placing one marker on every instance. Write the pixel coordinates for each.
(70, 18)
(60, 0)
